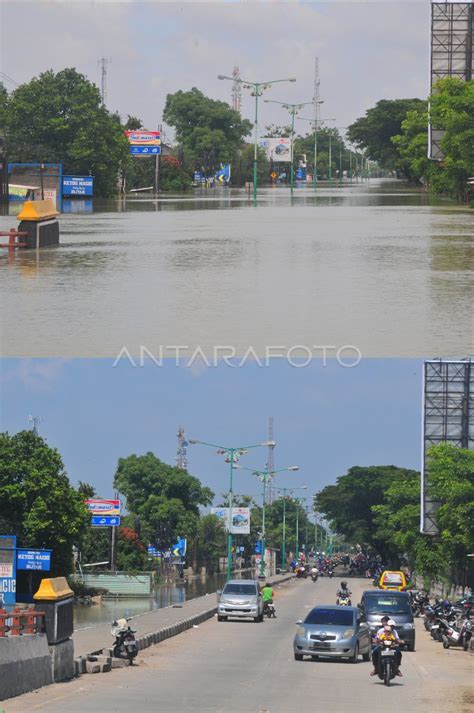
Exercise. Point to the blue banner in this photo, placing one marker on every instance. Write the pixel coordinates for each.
(145, 150)
(179, 549)
(7, 569)
(78, 185)
(33, 559)
(105, 521)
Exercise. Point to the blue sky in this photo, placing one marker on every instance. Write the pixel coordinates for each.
(367, 50)
(326, 419)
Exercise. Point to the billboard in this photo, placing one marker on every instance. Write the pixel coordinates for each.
(7, 569)
(78, 185)
(452, 53)
(240, 520)
(278, 150)
(141, 138)
(103, 508)
(448, 417)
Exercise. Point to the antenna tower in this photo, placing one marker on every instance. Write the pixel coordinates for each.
(182, 452)
(34, 420)
(103, 62)
(316, 104)
(236, 90)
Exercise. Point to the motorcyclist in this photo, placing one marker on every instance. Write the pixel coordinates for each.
(386, 631)
(267, 595)
(344, 591)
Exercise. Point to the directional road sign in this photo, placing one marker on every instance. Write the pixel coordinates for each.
(106, 521)
(145, 150)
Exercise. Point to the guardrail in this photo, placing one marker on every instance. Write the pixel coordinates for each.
(12, 236)
(21, 622)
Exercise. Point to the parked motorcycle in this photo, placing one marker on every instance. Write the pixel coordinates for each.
(314, 575)
(330, 573)
(419, 602)
(458, 635)
(301, 573)
(125, 646)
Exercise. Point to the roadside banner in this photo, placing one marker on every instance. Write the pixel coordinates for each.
(179, 549)
(240, 524)
(278, 150)
(78, 185)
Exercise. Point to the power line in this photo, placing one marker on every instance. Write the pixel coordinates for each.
(9, 79)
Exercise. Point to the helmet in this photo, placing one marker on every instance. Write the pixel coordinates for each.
(343, 585)
(390, 622)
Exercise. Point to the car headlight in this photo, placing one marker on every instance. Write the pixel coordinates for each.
(300, 631)
(348, 633)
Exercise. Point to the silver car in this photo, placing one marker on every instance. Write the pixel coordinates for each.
(333, 632)
(240, 598)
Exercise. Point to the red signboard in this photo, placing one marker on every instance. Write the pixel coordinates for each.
(147, 138)
(103, 507)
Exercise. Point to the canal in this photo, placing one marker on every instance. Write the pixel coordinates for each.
(378, 265)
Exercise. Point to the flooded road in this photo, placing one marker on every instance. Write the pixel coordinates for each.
(375, 265)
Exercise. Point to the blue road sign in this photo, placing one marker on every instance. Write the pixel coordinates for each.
(105, 521)
(78, 185)
(7, 569)
(33, 559)
(145, 150)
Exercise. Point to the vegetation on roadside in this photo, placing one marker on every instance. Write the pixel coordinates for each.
(379, 507)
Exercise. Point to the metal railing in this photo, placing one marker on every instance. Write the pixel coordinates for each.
(21, 621)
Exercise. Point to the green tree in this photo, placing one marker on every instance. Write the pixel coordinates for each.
(210, 131)
(37, 501)
(209, 543)
(374, 131)
(245, 166)
(412, 146)
(59, 118)
(94, 545)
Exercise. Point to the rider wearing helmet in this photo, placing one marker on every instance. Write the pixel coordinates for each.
(387, 630)
(343, 591)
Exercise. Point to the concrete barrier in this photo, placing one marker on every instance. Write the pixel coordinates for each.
(25, 664)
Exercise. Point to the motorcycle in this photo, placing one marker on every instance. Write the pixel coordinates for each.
(330, 573)
(344, 601)
(269, 609)
(419, 603)
(455, 636)
(314, 575)
(301, 573)
(125, 646)
(387, 663)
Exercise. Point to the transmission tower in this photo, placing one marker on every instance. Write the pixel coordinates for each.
(182, 452)
(103, 62)
(236, 90)
(316, 103)
(34, 420)
(270, 460)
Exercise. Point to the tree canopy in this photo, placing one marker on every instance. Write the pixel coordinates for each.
(373, 132)
(210, 131)
(59, 118)
(37, 502)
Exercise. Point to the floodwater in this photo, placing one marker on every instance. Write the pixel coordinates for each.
(165, 595)
(376, 265)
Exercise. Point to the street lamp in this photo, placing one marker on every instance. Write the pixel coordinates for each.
(285, 492)
(265, 477)
(293, 109)
(257, 91)
(231, 456)
(315, 124)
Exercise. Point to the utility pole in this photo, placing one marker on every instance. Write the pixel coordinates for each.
(158, 162)
(270, 461)
(103, 62)
(182, 452)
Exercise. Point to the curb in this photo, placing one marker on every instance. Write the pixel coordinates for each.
(146, 640)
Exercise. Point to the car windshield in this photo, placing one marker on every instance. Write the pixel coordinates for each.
(328, 617)
(240, 589)
(385, 604)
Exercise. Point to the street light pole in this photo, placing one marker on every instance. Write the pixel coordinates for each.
(285, 492)
(315, 124)
(293, 109)
(265, 476)
(232, 454)
(257, 90)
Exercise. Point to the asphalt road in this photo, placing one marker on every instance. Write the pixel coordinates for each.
(238, 667)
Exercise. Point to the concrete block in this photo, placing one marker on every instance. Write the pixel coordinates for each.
(107, 652)
(119, 663)
(25, 664)
(62, 660)
(92, 667)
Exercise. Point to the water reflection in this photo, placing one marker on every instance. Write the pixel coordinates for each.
(375, 265)
(165, 595)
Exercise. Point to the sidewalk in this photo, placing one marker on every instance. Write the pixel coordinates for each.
(160, 624)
